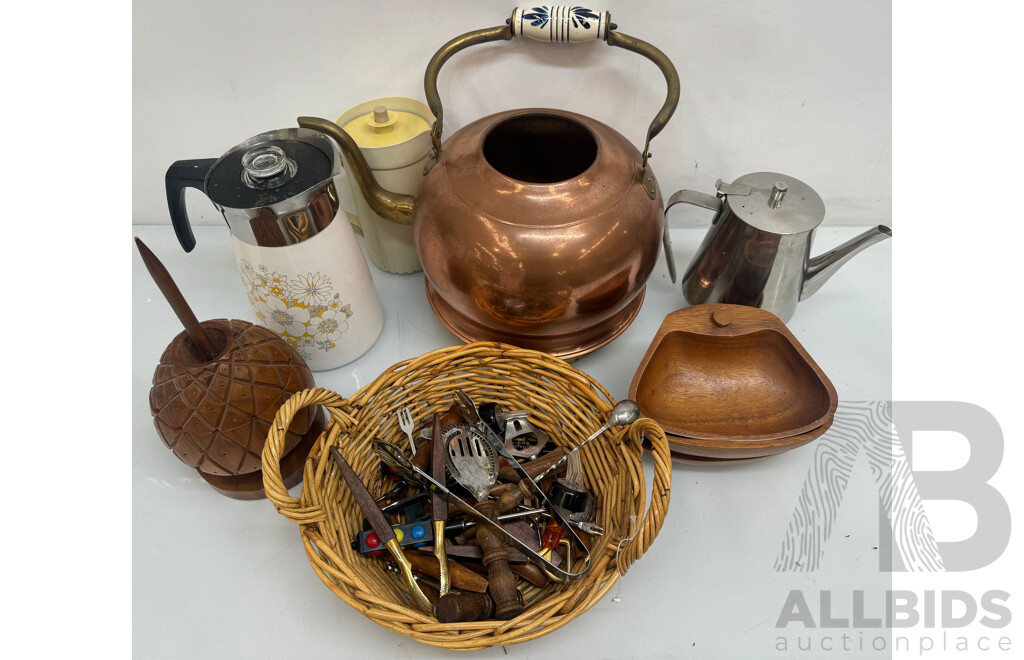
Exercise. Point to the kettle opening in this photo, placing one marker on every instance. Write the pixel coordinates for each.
(540, 148)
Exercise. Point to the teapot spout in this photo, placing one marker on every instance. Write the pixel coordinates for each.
(822, 267)
(393, 206)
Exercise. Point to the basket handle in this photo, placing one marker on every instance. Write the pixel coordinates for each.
(273, 450)
(654, 517)
(558, 24)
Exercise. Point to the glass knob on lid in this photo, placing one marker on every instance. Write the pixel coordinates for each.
(267, 166)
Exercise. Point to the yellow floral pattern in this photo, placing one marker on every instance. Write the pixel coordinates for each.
(304, 309)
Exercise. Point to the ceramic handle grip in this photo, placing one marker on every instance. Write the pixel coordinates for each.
(560, 23)
(555, 23)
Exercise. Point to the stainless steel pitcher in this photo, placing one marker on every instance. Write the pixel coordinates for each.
(757, 251)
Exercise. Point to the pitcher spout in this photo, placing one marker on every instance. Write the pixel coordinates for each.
(393, 206)
(822, 267)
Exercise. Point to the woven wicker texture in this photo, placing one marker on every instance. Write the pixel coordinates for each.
(566, 403)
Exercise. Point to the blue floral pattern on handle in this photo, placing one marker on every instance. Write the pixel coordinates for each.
(539, 16)
(560, 23)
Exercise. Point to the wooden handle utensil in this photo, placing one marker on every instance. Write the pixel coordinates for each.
(508, 602)
(464, 607)
(460, 576)
(533, 468)
(532, 574)
(471, 551)
(380, 525)
(509, 496)
(438, 503)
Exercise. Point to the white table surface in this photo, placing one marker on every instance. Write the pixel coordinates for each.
(220, 578)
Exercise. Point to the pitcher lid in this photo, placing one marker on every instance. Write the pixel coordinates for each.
(774, 202)
(384, 127)
(268, 169)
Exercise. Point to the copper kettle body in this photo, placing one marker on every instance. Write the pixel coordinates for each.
(535, 227)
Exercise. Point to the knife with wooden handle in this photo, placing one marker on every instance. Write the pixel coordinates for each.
(380, 525)
(461, 576)
(517, 562)
(470, 551)
(438, 504)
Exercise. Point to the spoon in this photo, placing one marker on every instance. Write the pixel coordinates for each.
(623, 413)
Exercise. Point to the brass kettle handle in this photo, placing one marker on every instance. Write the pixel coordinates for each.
(558, 24)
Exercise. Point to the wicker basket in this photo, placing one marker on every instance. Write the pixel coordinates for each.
(566, 403)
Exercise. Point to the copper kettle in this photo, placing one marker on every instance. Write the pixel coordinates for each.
(535, 227)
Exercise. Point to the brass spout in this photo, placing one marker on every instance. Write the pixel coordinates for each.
(824, 266)
(393, 206)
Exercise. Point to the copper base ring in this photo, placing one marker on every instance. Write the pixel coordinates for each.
(566, 347)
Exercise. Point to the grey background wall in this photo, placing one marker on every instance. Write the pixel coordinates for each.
(797, 86)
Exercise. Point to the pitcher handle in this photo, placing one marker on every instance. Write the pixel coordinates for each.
(694, 198)
(180, 176)
(556, 24)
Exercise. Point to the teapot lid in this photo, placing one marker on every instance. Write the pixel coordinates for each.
(773, 202)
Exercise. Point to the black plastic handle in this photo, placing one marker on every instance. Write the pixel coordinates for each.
(181, 175)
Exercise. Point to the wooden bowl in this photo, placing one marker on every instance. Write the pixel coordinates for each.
(732, 373)
(690, 459)
(743, 449)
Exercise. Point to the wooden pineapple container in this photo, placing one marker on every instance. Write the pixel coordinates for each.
(216, 391)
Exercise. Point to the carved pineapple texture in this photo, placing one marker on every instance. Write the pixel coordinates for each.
(215, 416)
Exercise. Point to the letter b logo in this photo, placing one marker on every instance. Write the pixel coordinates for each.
(967, 484)
(868, 428)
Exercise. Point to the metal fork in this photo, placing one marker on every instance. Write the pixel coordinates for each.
(405, 421)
